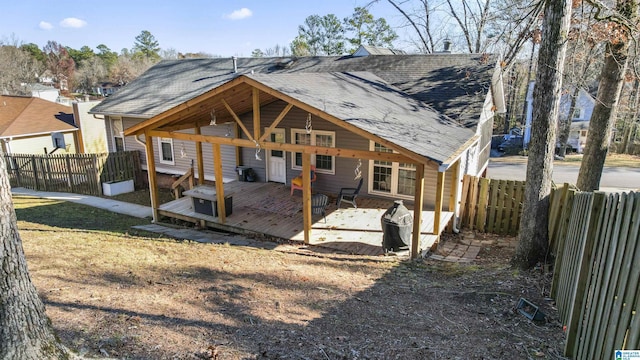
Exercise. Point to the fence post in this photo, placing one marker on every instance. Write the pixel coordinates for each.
(577, 307)
(69, 173)
(483, 201)
(567, 209)
(96, 176)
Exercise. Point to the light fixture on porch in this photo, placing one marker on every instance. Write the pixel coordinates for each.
(357, 170)
(308, 126)
(213, 117)
(258, 149)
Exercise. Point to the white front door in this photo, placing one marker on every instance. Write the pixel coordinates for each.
(276, 170)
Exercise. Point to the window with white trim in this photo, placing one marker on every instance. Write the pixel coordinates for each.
(166, 151)
(117, 130)
(391, 178)
(324, 163)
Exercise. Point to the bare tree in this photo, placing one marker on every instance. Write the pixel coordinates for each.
(25, 330)
(622, 22)
(420, 18)
(18, 68)
(583, 51)
(533, 237)
(128, 68)
(472, 21)
(90, 73)
(60, 64)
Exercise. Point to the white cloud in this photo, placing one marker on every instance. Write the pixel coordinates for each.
(239, 14)
(73, 23)
(45, 25)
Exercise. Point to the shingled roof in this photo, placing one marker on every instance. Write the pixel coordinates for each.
(453, 84)
(367, 102)
(20, 116)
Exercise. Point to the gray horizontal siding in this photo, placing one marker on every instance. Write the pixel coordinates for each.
(344, 172)
(182, 164)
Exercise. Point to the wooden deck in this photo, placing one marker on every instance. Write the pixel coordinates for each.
(267, 208)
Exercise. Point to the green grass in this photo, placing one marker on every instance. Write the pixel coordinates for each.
(141, 197)
(67, 215)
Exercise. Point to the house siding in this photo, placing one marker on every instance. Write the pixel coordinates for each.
(485, 131)
(42, 145)
(182, 164)
(344, 167)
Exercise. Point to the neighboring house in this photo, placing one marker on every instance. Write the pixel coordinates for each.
(106, 88)
(46, 92)
(30, 125)
(365, 50)
(579, 119)
(386, 116)
(92, 128)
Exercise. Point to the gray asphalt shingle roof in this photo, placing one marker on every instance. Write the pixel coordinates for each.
(369, 103)
(453, 84)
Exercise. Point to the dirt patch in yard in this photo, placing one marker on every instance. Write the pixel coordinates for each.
(136, 296)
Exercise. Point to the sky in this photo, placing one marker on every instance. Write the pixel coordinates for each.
(216, 27)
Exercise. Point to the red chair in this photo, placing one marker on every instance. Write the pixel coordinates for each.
(296, 182)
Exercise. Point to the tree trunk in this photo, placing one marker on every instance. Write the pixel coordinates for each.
(25, 330)
(604, 113)
(533, 238)
(565, 125)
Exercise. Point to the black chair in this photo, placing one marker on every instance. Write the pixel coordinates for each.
(319, 205)
(349, 194)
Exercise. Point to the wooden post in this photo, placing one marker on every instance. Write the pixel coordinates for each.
(417, 211)
(69, 173)
(96, 174)
(439, 198)
(217, 165)
(256, 113)
(199, 158)
(306, 196)
(151, 173)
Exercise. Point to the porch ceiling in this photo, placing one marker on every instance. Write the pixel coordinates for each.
(238, 98)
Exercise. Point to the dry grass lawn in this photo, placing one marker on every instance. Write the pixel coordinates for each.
(113, 293)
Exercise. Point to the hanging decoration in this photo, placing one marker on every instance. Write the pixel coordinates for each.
(183, 152)
(258, 149)
(308, 126)
(228, 134)
(357, 170)
(213, 117)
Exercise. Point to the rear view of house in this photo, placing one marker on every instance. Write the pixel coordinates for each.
(402, 122)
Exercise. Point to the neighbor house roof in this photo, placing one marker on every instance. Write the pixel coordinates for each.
(24, 116)
(454, 84)
(366, 101)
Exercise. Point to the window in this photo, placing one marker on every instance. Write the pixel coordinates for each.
(116, 132)
(166, 151)
(324, 163)
(577, 113)
(391, 178)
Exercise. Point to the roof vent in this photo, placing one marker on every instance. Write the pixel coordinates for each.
(235, 64)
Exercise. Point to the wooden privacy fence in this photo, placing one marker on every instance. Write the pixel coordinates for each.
(596, 274)
(490, 205)
(76, 173)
